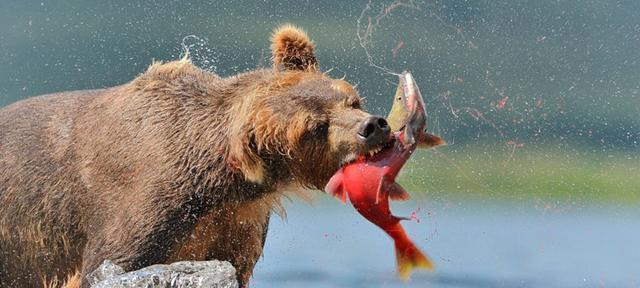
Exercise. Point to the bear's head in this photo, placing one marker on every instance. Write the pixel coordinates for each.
(301, 123)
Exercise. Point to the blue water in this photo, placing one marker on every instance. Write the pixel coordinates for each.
(523, 244)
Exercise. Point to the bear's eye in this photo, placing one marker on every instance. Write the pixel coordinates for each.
(320, 129)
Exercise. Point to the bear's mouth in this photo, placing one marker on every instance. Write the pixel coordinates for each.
(379, 149)
(372, 153)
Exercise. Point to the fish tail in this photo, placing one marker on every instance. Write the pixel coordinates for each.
(409, 257)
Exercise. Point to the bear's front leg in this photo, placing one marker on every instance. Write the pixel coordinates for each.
(234, 233)
(243, 244)
(133, 242)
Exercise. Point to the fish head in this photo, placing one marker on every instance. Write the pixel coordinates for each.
(408, 114)
(416, 121)
(414, 102)
(399, 110)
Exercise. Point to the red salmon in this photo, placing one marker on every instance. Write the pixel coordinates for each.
(369, 181)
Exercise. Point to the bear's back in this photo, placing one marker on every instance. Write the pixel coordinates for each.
(37, 172)
(38, 130)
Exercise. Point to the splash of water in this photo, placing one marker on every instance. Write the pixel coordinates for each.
(372, 19)
(198, 50)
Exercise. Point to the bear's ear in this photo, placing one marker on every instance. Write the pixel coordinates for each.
(292, 49)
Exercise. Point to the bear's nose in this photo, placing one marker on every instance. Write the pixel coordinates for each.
(374, 130)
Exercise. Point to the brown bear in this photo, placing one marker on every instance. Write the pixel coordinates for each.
(178, 164)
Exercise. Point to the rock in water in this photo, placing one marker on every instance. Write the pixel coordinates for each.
(216, 274)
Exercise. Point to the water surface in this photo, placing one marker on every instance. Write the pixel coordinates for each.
(524, 244)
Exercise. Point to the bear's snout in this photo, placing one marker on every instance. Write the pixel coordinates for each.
(374, 130)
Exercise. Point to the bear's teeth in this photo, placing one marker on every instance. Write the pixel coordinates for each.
(374, 151)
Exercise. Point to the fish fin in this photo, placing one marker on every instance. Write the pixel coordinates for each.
(335, 187)
(396, 192)
(400, 218)
(409, 257)
(426, 141)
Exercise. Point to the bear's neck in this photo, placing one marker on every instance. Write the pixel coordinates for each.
(194, 121)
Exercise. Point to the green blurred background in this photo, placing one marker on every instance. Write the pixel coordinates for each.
(537, 99)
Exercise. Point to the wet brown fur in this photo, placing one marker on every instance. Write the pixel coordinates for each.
(178, 164)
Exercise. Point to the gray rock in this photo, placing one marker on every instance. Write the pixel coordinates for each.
(216, 274)
(106, 270)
